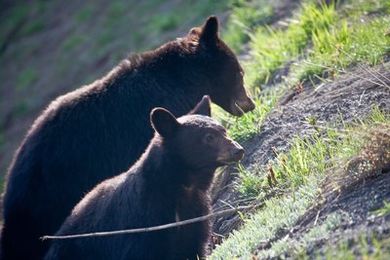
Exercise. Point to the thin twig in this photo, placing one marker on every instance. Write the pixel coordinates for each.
(155, 228)
(343, 71)
(368, 70)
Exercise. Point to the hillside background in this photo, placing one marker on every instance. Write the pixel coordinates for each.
(317, 163)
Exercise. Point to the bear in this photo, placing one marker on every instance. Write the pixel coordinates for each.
(98, 130)
(170, 182)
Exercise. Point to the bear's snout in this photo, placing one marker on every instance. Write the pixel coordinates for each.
(237, 152)
(242, 105)
(231, 152)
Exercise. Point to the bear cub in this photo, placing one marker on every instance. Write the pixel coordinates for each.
(169, 183)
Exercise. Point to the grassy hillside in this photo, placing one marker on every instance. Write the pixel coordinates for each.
(317, 145)
(319, 132)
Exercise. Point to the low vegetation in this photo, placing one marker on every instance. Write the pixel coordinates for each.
(320, 42)
(298, 175)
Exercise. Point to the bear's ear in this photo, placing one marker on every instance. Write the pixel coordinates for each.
(203, 107)
(164, 122)
(209, 33)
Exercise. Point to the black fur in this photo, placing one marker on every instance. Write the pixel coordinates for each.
(169, 182)
(99, 130)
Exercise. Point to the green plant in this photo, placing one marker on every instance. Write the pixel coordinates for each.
(249, 124)
(243, 18)
(298, 173)
(336, 49)
(249, 184)
(271, 48)
(384, 211)
(27, 77)
(164, 22)
(366, 246)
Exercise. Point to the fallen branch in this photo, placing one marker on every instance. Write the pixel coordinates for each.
(155, 228)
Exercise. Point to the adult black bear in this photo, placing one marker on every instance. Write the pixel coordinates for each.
(95, 132)
(169, 182)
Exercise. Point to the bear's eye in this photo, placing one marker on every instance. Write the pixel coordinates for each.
(209, 138)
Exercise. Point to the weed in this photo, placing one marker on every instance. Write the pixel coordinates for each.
(244, 16)
(248, 125)
(250, 185)
(384, 211)
(271, 48)
(165, 22)
(336, 49)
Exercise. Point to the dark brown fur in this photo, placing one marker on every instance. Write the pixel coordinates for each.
(99, 130)
(170, 182)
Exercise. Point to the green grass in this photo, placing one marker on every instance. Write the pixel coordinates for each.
(298, 174)
(249, 184)
(337, 49)
(245, 15)
(117, 9)
(296, 247)
(244, 127)
(2, 138)
(32, 27)
(359, 8)
(261, 226)
(271, 48)
(72, 42)
(384, 211)
(364, 247)
(8, 23)
(319, 39)
(27, 77)
(164, 22)
(84, 14)
(20, 109)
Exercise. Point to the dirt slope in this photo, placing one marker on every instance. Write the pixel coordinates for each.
(347, 98)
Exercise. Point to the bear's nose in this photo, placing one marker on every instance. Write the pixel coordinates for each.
(237, 151)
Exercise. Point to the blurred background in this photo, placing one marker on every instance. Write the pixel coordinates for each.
(48, 48)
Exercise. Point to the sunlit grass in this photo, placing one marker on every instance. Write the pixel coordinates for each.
(335, 50)
(271, 48)
(244, 127)
(298, 173)
(245, 15)
(366, 246)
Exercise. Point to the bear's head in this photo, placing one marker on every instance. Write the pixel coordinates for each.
(216, 61)
(196, 139)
